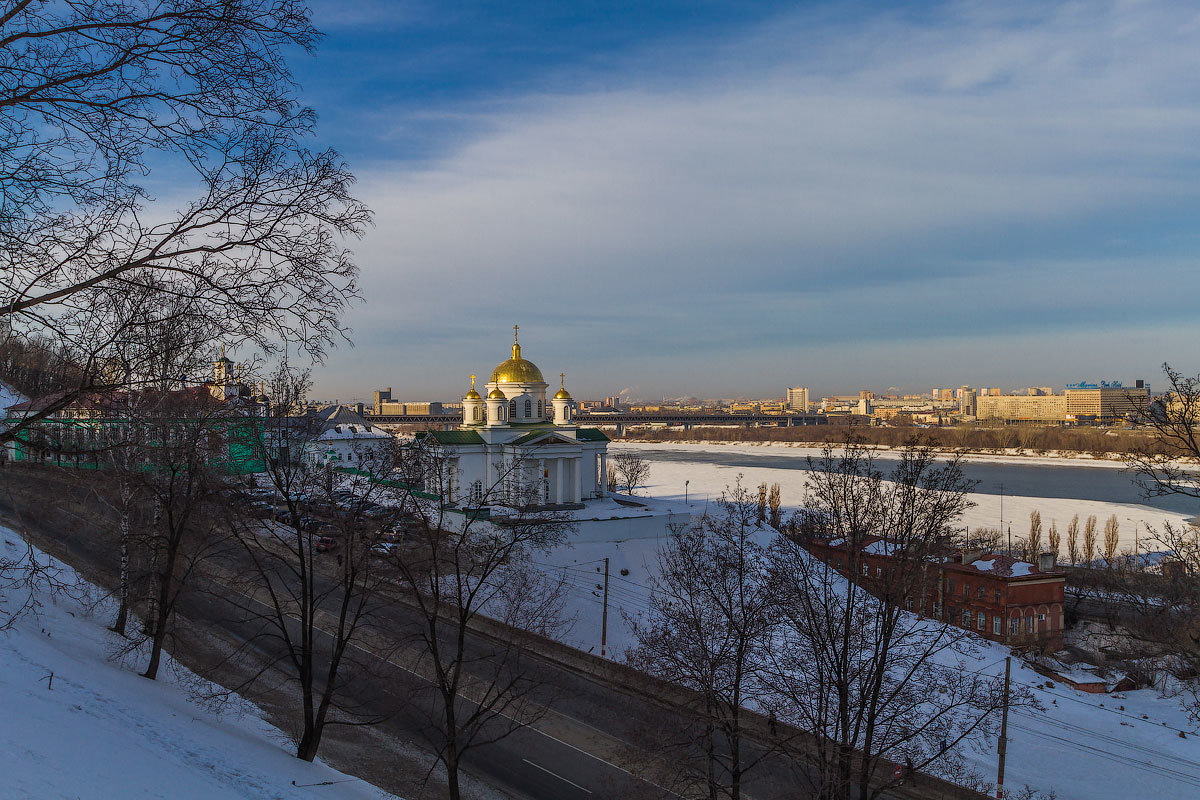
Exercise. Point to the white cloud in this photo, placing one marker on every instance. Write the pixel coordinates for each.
(808, 159)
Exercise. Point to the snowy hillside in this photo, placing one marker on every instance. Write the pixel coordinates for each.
(1082, 747)
(101, 730)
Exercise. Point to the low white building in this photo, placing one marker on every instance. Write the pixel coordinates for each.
(343, 438)
(516, 448)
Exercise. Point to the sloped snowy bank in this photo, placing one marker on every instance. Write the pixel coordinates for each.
(100, 730)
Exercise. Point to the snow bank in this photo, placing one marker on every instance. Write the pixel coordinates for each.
(104, 731)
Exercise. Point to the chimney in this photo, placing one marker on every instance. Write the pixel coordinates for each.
(1047, 562)
(971, 556)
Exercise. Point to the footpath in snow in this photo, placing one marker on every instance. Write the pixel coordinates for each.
(104, 731)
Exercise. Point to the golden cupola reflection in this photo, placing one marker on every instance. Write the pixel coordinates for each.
(517, 369)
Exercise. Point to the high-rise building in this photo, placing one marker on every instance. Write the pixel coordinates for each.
(966, 400)
(1105, 401)
(797, 398)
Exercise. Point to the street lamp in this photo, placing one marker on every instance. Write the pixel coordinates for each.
(685, 491)
(1135, 540)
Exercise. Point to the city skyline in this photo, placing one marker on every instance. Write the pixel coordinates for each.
(704, 198)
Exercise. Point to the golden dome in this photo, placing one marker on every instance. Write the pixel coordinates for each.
(472, 395)
(496, 394)
(562, 393)
(517, 369)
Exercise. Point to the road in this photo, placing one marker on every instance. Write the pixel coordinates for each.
(596, 738)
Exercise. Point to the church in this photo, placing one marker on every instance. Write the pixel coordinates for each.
(516, 448)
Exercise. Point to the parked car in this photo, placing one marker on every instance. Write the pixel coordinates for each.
(261, 508)
(326, 543)
(384, 548)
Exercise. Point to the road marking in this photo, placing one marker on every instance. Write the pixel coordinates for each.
(555, 774)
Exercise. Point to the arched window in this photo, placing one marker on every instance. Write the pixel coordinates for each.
(475, 413)
(528, 408)
(512, 408)
(541, 409)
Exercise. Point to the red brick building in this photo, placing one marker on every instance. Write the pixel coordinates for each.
(997, 596)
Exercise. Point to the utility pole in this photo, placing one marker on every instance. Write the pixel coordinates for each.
(1002, 745)
(604, 617)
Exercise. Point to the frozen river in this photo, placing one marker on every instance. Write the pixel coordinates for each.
(1070, 480)
(1058, 489)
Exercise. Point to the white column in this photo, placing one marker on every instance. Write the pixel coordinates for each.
(602, 478)
(576, 482)
(541, 481)
(558, 481)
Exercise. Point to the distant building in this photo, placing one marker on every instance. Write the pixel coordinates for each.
(797, 398)
(1106, 401)
(382, 396)
(967, 400)
(1022, 408)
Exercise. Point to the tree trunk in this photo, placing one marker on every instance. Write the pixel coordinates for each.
(123, 610)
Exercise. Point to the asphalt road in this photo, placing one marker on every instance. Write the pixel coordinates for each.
(568, 755)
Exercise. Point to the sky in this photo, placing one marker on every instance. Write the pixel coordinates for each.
(723, 199)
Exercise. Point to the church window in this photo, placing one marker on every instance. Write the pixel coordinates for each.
(528, 408)
(512, 409)
(475, 413)
(541, 409)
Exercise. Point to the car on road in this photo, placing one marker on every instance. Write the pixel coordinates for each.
(326, 544)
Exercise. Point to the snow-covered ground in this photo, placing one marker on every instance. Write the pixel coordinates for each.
(103, 731)
(1082, 747)
(708, 480)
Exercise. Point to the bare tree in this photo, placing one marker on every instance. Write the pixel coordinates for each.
(1034, 542)
(1089, 540)
(461, 571)
(1073, 540)
(631, 469)
(1167, 466)
(762, 502)
(182, 479)
(1112, 539)
(101, 95)
(310, 587)
(774, 501)
(708, 630)
(1168, 605)
(1055, 539)
(870, 682)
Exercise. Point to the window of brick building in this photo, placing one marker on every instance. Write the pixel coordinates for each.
(966, 590)
(950, 585)
(996, 629)
(867, 570)
(1014, 626)
(997, 595)
(981, 621)
(966, 618)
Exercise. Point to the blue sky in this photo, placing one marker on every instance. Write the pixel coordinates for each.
(723, 199)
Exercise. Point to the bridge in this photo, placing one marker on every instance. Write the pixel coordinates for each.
(622, 419)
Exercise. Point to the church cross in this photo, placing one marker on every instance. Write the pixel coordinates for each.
(515, 329)
(562, 379)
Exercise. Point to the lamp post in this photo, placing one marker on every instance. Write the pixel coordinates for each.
(685, 491)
